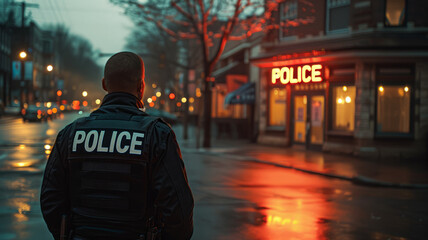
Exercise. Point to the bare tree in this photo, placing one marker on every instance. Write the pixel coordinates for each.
(212, 23)
(76, 63)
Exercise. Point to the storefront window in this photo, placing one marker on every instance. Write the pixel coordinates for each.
(393, 109)
(277, 107)
(344, 108)
(395, 12)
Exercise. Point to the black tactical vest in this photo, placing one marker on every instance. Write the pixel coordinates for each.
(109, 175)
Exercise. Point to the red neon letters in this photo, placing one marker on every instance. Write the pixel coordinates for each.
(305, 73)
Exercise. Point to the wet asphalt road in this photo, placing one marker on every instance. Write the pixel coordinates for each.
(235, 199)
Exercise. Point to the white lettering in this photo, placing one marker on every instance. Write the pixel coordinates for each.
(94, 140)
(91, 148)
(78, 139)
(100, 147)
(119, 148)
(135, 142)
(113, 139)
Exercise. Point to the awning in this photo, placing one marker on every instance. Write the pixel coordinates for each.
(246, 94)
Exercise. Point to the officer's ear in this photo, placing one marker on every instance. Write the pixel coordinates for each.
(104, 85)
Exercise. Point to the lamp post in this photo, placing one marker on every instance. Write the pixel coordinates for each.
(22, 56)
(47, 91)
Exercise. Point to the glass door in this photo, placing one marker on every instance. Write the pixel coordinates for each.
(300, 118)
(317, 120)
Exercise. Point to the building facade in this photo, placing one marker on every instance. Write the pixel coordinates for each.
(233, 97)
(346, 76)
(5, 66)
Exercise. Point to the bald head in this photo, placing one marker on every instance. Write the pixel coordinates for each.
(124, 72)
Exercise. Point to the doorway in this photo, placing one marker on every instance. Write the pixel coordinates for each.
(308, 127)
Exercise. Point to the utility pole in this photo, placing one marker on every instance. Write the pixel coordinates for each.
(23, 5)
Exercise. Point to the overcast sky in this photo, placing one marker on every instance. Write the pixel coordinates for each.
(99, 21)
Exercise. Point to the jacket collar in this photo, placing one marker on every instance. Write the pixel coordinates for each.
(121, 98)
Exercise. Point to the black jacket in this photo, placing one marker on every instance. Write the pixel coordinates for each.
(170, 190)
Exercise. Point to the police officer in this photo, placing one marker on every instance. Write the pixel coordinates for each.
(117, 174)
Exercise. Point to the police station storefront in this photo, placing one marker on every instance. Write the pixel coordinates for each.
(356, 105)
(296, 104)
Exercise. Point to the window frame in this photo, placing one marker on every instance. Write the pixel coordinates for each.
(396, 80)
(282, 18)
(405, 16)
(327, 19)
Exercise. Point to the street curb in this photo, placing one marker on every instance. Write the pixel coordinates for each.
(357, 180)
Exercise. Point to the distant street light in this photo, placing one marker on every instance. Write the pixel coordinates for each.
(158, 94)
(49, 68)
(183, 100)
(22, 55)
(98, 101)
(84, 93)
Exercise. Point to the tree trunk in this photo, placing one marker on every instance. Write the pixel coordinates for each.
(186, 104)
(207, 112)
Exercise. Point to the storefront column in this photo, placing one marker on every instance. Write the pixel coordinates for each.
(365, 107)
(421, 124)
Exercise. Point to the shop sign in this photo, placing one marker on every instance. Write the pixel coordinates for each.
(299, 74)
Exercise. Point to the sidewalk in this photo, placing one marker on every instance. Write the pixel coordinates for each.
(356, 170)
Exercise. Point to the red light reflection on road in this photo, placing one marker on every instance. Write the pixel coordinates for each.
(290, 205)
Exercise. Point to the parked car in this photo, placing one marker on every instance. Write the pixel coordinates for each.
(34, 113)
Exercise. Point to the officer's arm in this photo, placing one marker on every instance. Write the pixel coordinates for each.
(174, 199)
(53, 196)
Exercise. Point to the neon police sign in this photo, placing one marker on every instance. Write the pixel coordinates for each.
(293, 75)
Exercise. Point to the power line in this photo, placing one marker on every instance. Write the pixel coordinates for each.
(54, 11)
(67, 11)
(59, 11)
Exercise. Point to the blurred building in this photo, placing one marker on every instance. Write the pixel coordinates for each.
(29, 39)
(346, 76)
(233, 95)
(5, 65)
(18, 33)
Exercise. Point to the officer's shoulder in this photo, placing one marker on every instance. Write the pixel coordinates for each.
(69, 127)
(162, 125)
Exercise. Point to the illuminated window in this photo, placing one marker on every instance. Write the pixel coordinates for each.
(393, 109)
(395, 12)
(343, 108)
(277, 106)
(338, 15)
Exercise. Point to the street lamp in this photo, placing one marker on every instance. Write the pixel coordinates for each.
(22, 56)
(84, 93)
(49, 68)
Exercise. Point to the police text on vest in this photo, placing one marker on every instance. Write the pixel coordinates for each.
(93, 141)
